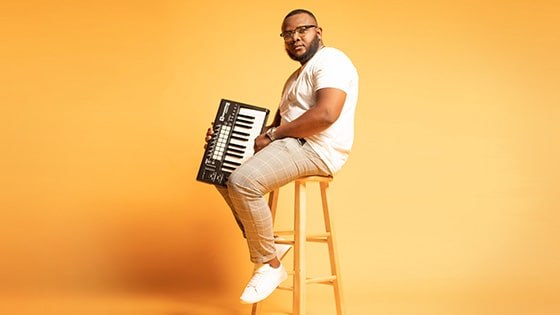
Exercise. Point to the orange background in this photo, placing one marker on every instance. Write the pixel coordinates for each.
(448, 204)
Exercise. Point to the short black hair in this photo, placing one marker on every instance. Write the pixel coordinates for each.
(300, 11)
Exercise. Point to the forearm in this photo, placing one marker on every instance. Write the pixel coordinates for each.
(309, 123)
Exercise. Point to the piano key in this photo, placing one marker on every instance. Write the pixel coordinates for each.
(239, 143)
(235, 150)
(232, 163)
(234, 155)
(247, 151)
(228, 168)
(233, 160)
(244, 126)
(241, 133)
(245, 113)
(235, 145)
(239, 138)
(243, 121)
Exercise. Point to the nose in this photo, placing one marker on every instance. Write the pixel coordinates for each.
(295, 37)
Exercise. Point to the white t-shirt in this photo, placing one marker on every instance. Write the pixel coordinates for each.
(328, 68)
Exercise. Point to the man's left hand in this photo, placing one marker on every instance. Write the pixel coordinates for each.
(260, 142)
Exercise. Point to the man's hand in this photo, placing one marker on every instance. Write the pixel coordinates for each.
(209, 134)
(260, 142)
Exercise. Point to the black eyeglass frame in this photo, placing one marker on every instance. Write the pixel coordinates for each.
(300, 30)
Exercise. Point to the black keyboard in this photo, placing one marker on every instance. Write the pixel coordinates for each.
(235, 128)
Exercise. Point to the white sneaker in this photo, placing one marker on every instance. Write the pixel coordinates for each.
(281, 249)
(264, 281)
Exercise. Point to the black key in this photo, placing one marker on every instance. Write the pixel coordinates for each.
(232, 163)
(235, 155)
(243, 121)
(228, 168)
(246, 116)
(239, 138)
(235, 145)
(243, 126)
(241, 133)
(235, 150)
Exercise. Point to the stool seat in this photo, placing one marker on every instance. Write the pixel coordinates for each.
(314, 178)
(300, 237)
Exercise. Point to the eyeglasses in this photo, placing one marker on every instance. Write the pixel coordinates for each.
(300, 30)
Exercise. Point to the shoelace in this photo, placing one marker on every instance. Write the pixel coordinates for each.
(255, 280)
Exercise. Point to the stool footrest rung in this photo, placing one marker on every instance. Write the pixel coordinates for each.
(287, 232)
(316, 280)
(321, 238)
(321, 280)
(288, 242)
(317, 238)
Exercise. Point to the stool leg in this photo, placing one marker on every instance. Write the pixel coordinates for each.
(272, 203)
(333, 254)
(299, 249)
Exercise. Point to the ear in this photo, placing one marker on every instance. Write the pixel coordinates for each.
(319, 32)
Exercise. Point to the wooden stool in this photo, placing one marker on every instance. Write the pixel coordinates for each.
(300, 237)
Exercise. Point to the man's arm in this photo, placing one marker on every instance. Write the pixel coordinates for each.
(321, 116)
(276, 121)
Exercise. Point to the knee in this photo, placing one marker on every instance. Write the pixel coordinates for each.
(242, 184)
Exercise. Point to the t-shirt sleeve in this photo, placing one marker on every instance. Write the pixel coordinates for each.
(334, 70)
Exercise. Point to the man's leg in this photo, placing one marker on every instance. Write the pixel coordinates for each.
(276, 165)
(225, 194)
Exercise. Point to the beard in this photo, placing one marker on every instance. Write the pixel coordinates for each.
(309, 53)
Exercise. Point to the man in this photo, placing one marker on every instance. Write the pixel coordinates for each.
(312, 134)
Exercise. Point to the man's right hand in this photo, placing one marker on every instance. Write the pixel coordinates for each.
(209, 134)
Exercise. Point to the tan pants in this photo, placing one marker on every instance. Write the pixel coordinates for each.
(277, 164)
